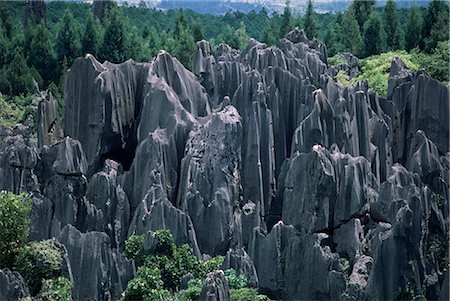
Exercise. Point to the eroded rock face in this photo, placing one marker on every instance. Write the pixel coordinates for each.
(215, 287)
(209, 184)
(99, 273)
(12, 286)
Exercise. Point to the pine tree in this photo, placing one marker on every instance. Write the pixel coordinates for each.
(362, 10)
(413, 34)
(68, 39)
(332, 37)
(92, 36)
(180, 23)
(197, 31)
(184, 47)
(394, 34)
(350, 36)
(310, 24)
(374, 36)
(436, 19)
(4, 45)
(268, 34)
(41, 55)
(241, 36)
(287, 23)
(114, 46)
(19, 75)
(155, 43)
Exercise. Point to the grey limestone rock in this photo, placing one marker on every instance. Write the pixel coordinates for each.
(215, 287)
(99, 272)
(12, 286)
(156, 212)
(241, 262)
(210, 178)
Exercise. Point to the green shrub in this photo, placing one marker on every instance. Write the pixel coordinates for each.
(144, 286)
(38, 261)
(337, 60)
(134, 249)
(164, 243)
(375, 69)
(247, 294)
(14, 225)
(194, 290)
(210, 265)
(234, 281)
(58, 289)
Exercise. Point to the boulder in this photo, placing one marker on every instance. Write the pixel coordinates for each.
(215, 287)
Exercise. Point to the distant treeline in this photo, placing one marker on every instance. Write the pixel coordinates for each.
(42, 45)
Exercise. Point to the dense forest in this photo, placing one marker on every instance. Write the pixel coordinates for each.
(45, 44)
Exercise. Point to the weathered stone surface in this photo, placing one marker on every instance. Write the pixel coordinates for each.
(99, 272)
(156, 212)
(48, 129)
(239, 260)
(306, 256)
(268, 252)
(209, 184)
(215, 287)
(12, 286)
(323, 189)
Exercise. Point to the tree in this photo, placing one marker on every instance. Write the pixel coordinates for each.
(310, 23)
(114, 46)
(286, 25)
(184, 47)
(4, 45)
(92, 36)
(394, 34)
(41, 55)
(362, 10)
(241, 36)
(68, 39)
(374, 36)
(14, 222)
(18, 75)
(413, 34)
(197, 31)
(180, 23)
(268, 34)
(351, 36)
(435, 26)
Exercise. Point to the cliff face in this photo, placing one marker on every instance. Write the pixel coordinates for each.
(311, 189)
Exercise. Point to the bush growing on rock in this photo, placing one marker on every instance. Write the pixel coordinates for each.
(58, 289)
(39, 261)
(14, 225)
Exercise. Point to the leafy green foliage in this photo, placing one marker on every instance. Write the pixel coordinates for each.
(115, 42)
(362, 9)
(246, 294)
(194, 289)
(41, 55)
(169, 261)
(310, 23)
(57, 289)
(287, 23)
(68, 45)
(394, 34)
(351, 35)
(145, 285)
(374, 36)
(435, 25)
(38, 261)
(234, 281)
(375, 69)
(436, 63)
(412, 34)
(134, 249)
(92, 36)
(14, 222)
